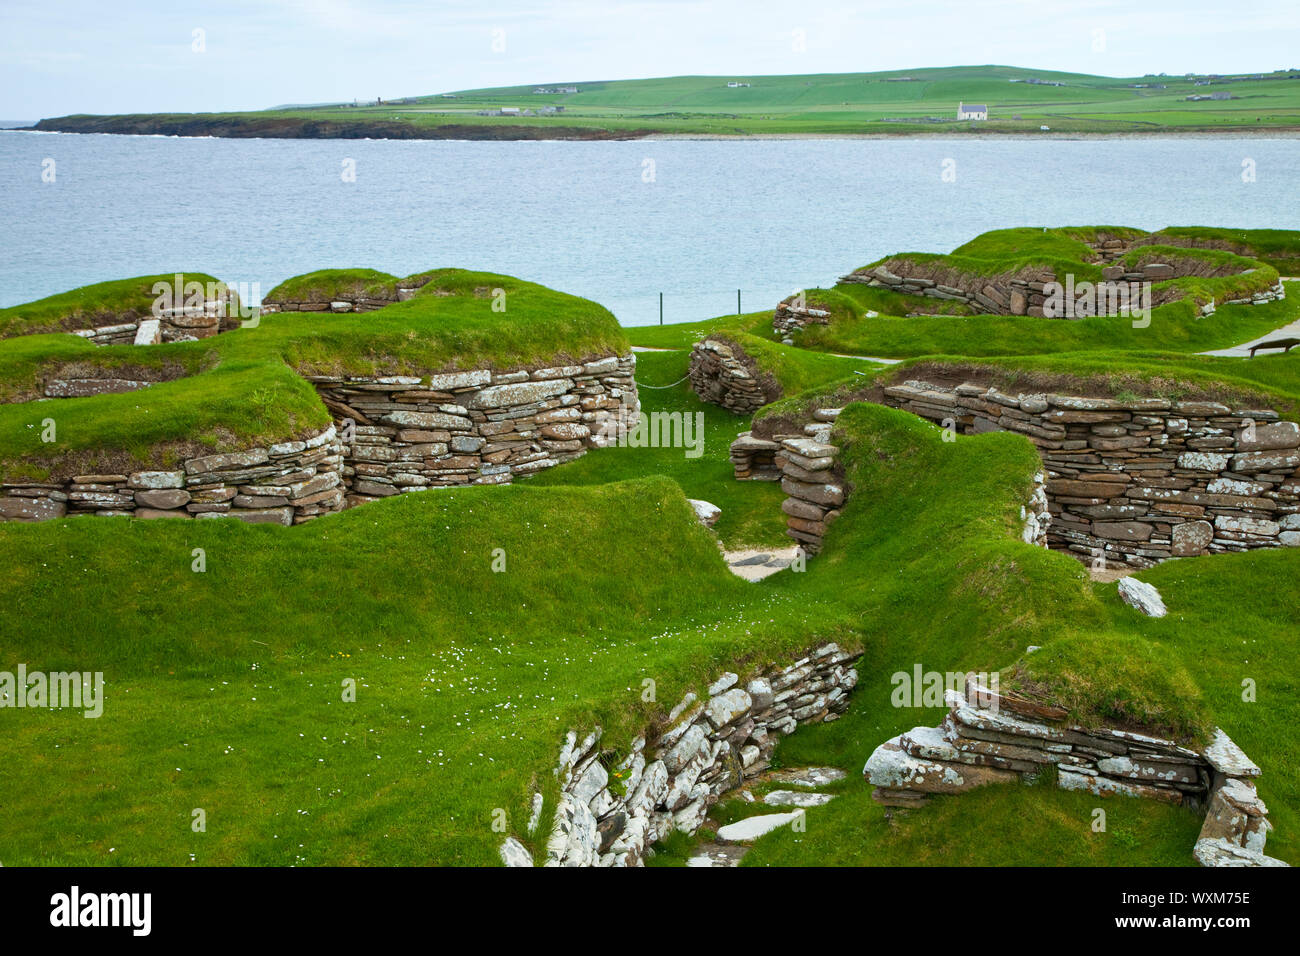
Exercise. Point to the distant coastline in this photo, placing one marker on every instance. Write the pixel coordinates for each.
(295, 128)
(278, 127)
(964, 101)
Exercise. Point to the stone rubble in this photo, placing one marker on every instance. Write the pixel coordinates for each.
(181, 324)
(790, 317)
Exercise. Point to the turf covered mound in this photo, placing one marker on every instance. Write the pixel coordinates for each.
(246, 388)
(1108, 287)
(121, 301)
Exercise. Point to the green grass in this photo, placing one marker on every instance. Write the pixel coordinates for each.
(751, 511)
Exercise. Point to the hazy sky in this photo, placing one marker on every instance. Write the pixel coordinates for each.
(94, 56)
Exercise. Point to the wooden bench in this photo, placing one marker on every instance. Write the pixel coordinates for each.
(1286, 345)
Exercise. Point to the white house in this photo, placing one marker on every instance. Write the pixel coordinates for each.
(976, 111)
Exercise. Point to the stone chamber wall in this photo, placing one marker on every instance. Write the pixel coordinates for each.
(1026, 293)
(344, 303)
(993, 738)
(814, 483)
(668, 782)
(287, 483)
(403, 433)
(804, 462)
(721, 373)
(1141, 480)
(476, 427)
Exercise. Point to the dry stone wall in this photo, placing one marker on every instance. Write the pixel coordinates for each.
(611, 815)
(719, 375)
(1141, 480)
(990, 738)
(287, 483)
(343, 303)
(475, 427)
(399, 433)
(805, 464)
(1026, 292)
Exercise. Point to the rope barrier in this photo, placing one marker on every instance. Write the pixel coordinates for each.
(674, 384)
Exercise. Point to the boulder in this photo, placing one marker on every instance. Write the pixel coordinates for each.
(514, 853)
(1142, 597)
(708, 514)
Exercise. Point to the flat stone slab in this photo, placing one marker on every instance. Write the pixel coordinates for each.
(751, 828)
(755, 565)
(893, 768)
(748, 442)
(1227, 758)
(1142, 597)
(797, 798)
(808, 776)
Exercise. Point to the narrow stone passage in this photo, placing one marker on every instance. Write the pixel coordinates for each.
(732, 840)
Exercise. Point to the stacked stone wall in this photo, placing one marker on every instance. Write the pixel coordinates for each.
(286, 483)
(1140, 480)
(406, 433)
(609, 814)
(720, 375)
(989, 738)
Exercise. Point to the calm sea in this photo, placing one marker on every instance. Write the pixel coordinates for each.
(615, 222)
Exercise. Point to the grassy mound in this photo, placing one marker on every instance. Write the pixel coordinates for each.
(1115, 681)
(224, 686)
(1221, 265)
(328, 285)
(1280, 248)
(104, 303)
(931, 589)
(244, 388)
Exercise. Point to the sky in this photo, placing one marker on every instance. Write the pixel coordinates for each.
(91, 56)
